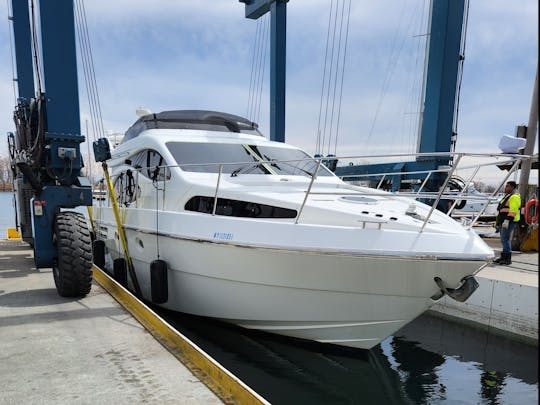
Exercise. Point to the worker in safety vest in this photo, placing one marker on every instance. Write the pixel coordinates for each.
(507, 218)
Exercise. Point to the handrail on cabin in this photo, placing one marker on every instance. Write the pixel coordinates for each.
(436, 196)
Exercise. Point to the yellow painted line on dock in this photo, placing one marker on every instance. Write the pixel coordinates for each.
(224, 384)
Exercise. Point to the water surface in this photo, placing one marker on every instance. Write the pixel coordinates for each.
(429, 361)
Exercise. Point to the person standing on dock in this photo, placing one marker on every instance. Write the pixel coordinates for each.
(507, 218)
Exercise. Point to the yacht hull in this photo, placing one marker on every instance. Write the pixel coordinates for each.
(344, 299)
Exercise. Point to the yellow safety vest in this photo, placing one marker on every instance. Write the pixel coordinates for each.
(509, 208)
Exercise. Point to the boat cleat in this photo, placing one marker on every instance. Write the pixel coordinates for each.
(461, 294)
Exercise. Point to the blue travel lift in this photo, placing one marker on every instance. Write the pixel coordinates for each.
(45, 149)
(46, 156)
(437, 134)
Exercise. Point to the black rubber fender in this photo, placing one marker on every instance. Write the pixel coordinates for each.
(98, 253)
(158, 281)
(120, 271)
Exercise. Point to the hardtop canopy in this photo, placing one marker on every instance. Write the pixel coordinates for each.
(192, 119)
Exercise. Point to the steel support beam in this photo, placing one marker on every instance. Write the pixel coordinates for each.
(60, 67)
(278, 54)
(444, 56)
(256, 8)
(23, 49)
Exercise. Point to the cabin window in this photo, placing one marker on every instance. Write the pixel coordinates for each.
(152, 165)
(126, 188)
(205, 157)
(236, 208)
(243, 159)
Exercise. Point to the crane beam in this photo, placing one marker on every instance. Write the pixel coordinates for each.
(256, 8)
(444, 56)
(60, 67)
(23, 49)
(278, 55)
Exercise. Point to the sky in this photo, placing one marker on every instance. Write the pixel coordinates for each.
(165, 55)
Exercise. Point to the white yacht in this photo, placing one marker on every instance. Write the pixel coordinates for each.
(285, 250)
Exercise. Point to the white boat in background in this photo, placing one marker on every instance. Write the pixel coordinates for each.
(480, 208)
(476, 203)
(260, 234)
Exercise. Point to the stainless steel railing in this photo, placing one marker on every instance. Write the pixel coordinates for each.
(436, 197)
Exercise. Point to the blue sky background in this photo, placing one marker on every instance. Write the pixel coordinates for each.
(185, 54)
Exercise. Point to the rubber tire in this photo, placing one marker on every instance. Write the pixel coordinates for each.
(73, 268)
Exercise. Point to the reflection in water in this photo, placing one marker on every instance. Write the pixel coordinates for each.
(491, 384)
(289, 371)
(420, 367)
(491, 352)
(480, 367)
(428, 361)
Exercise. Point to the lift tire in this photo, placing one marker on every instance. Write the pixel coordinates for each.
(73, 268)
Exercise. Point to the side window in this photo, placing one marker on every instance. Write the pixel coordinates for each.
(125, 187)
(139, 160)
(150, 163)
(236, 208)
(155, 169)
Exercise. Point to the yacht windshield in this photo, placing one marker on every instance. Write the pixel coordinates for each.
(289, 161)
(240, 159)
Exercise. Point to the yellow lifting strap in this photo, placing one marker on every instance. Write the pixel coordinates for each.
(121, 232)
(90, 215)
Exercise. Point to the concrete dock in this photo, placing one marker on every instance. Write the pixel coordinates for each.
(79, 351)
